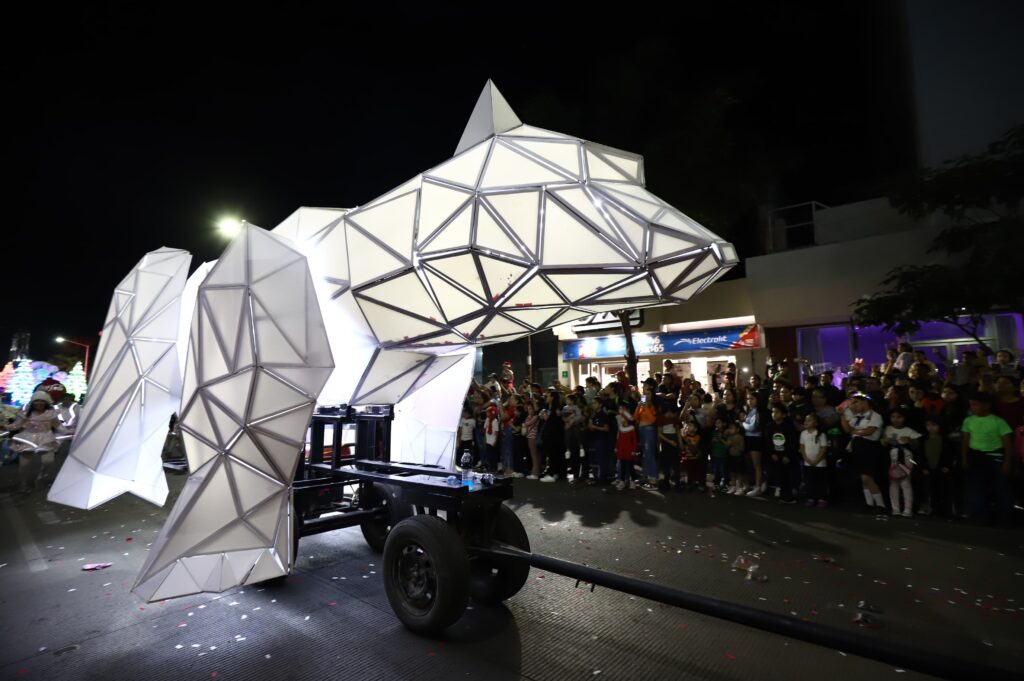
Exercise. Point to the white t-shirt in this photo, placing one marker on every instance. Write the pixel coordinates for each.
(892, 438)
(466, 427)
(867, 420)
(812, 444)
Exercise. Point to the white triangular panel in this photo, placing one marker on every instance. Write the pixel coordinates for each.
(521, 212)
(367, 260)
(392, 222)
(491, 115)
(531, 131)
(500, 274)
(507, 168)
(565, 155)
(463, 169)
(391, 326)
(534, 317)
(638, 289)
(405, 290)
(668, 274)
(567, 241)
(578, 286)
(491, 237)
(663, 244)
(536, 291)
(599, 169)
(437, 205)
(500, 326)
(456, 234)
(454, 303)
(461, 268)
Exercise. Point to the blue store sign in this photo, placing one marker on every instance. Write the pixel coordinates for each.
(729, 338)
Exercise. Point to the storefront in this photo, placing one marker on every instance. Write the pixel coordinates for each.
(836, 346)
(695, 354)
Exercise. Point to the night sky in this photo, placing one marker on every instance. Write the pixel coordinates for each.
(136, 128)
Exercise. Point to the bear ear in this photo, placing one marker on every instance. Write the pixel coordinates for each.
(491, 115)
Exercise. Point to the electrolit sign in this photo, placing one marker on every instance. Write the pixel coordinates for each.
(729, 338)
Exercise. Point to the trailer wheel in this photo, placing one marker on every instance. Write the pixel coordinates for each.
(492, 580)
(375, 532)
(426, 574)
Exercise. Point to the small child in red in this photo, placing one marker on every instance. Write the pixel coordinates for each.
(625, 446)
(691, 456)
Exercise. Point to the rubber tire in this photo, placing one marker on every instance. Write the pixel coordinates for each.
(492, 581)
(447, 554)
(375, 532)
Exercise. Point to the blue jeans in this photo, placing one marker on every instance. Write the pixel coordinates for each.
(649, 449)
(508, 449)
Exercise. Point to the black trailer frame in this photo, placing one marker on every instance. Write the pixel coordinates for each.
(433, 565)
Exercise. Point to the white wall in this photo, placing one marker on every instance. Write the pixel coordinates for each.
(818, 284)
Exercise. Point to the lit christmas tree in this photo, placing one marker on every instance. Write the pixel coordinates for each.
(76, 383)
(22, 383)
(42, 371)
(5, 376)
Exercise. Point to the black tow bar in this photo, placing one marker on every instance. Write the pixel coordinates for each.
(784, 625)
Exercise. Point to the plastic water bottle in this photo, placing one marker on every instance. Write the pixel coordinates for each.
(466, 464)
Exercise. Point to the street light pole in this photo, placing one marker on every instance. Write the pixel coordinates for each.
(85, 368)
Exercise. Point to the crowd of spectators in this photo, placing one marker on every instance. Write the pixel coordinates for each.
(902, 438)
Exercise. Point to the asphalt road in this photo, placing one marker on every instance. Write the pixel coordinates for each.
(941, 586)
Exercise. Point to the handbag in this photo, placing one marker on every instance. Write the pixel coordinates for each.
(897, 471)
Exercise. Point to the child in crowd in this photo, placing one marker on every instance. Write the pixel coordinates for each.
(719, 455)
(782, 441)
(936, 468)
(813, 452)
(625, 445)
(466, 440)
(691, 456)
(900, 439)
(668, 438)
(737, 461)
(530, 426)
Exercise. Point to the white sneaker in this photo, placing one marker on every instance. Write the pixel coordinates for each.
(778, 492)
(731, 489)
(618, 484)
(739, 491)
(532, 477)
(548, 478)
(908, 513)
(516, 474)
(756, 492)
(895, 511)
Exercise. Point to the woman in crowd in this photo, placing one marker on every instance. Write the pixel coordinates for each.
(35, 440)
(553, 438)
(646, 418)
(864, 426)
(753, 433)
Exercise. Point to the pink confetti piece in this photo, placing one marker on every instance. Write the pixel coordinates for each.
(129, 539)
(182, 624)
(93, 567)
(431, 654)
(730, 656)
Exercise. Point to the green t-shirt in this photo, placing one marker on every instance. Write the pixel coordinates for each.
(986, 432)
(719, 449)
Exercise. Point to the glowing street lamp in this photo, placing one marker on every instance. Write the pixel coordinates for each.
(85, 368)
(229, 226)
